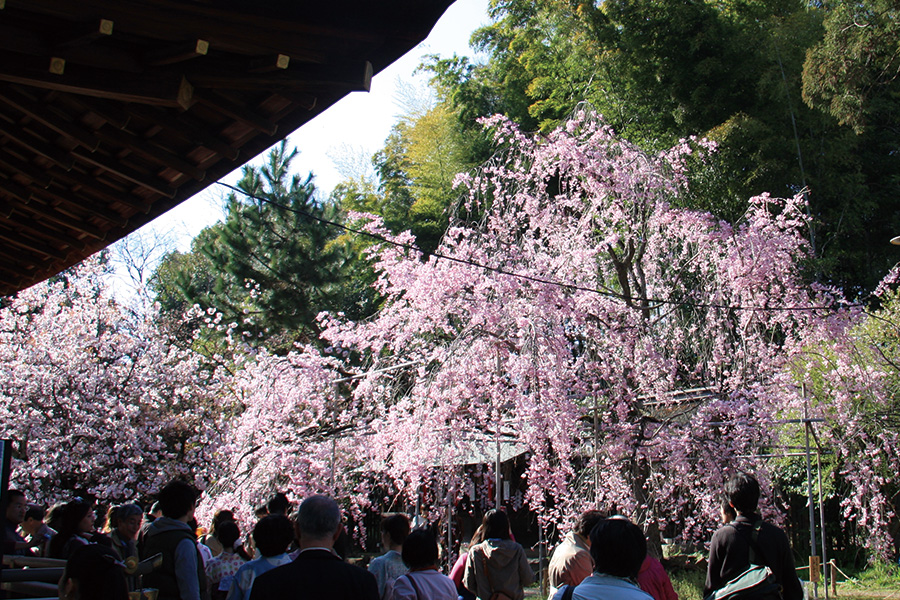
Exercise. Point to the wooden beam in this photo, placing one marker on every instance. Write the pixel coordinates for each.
(306, 101)
(72, 223)
(181, 20)
(151, 151)
(15, 190)
(54, 234)
(86, 35)
(268, 64)
(352, 77)
(36, 174)
(39, 112)
(152, 183)
(30, 141)
(93, 186)
(6, 209)
(20, 260)
(63, 204)
(232, 109)
(177, 53)
(36, 246)
(164, 89)
(107, 111)
(15, 281)
(24, 41)
(101, 57)
(185, 127)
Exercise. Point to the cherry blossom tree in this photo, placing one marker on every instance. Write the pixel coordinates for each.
(635, 350)
(632, 350)
(852, 379)
(292, 430)
(97, 401)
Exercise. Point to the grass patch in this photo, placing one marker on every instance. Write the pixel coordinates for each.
(879, 575)
(688, 583)
(876, 582)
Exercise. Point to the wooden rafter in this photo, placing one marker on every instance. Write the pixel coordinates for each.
(33, 143)
(49, 117)
(14, 164)
(235, 110)
(114, 111)
(176, 53)
(185, 127)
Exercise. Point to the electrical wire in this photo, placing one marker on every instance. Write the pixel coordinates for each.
(630, 300)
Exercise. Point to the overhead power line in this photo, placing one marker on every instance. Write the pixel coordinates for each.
(607, 292)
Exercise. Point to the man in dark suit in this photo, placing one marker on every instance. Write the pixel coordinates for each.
(317, 572)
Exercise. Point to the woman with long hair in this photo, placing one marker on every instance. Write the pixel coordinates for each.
(497, 565)
(76, 525)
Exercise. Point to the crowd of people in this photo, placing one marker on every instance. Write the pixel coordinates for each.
(603, 557)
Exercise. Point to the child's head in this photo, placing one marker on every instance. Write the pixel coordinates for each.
(228, 533)
(420, 549)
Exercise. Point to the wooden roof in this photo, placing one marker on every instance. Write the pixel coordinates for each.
(114, 111)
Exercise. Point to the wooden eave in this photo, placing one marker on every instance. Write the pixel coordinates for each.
(113, 112)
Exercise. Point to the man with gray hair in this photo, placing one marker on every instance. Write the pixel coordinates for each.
(317, 572)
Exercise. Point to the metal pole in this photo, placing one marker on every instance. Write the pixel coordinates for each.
(812, 508)
(825, 572)
(337, 391)
(449, 533)
(596, 451)
(497, 479)
(541, 552)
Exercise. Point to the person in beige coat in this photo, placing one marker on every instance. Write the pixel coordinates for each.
(571, 561)
(498, 564)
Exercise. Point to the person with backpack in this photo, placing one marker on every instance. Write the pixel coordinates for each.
(749, 541)
(181, 575)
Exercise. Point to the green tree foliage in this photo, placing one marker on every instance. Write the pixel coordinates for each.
(271, 266)
(854, 71)
(731, 70)
(853, 74)
(416, 168)
(179, 278)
